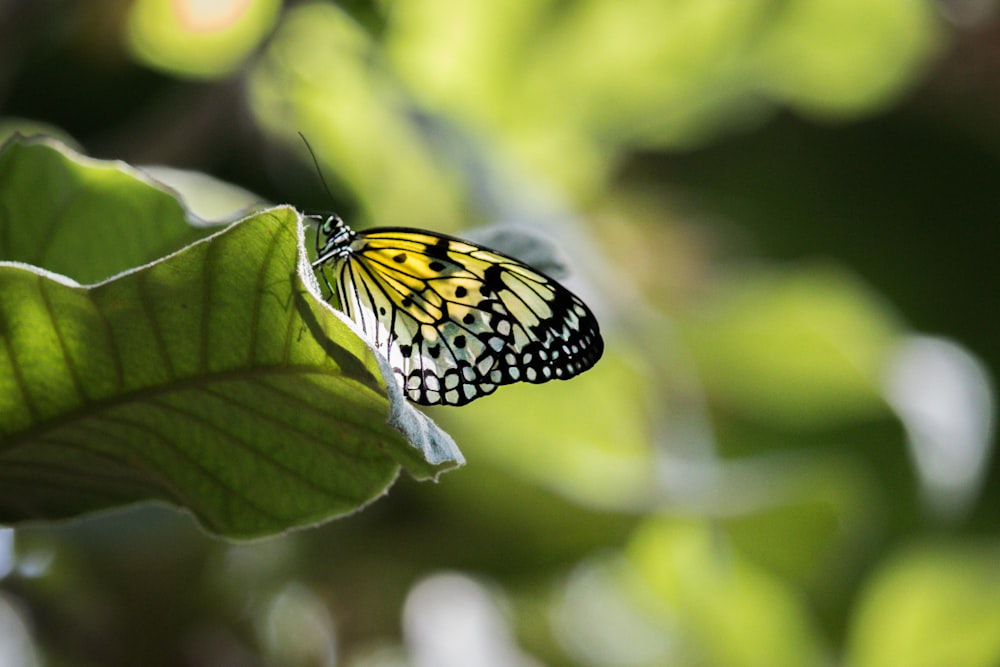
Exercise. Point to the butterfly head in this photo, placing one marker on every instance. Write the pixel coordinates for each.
(333, 239)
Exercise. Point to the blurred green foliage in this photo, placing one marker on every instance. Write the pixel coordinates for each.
(198, 39)
(769, 204)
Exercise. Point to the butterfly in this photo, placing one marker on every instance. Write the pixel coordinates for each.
(455, 320)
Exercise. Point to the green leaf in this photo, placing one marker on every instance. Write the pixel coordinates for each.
(215, 379)
(369, 140)
(804, 349)
(197, 41)
(206, 197)
(597, 458)
(846, 58)
(84, 218)
(933, 605)
(731, 611)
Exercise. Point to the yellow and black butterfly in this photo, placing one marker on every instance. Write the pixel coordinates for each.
(454, 319)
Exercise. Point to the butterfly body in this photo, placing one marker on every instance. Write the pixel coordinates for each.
(456, 320)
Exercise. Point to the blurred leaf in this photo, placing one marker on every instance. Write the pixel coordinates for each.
(204, 196)
(537, 79)
(931, 606)
(198, 39)
(564, 87)
(528, 526)
(555, 92)
(322, 75)
(729, 611)
(523, 243)
(12, 126)
(806, 348)
(586, 439)
(672, 68)
(213, 379)
(83, 218)
(815, 522)
(847, 57)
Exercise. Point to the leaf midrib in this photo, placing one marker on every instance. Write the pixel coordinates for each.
(176, 385)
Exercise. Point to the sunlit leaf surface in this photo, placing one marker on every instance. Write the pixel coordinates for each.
(213, 379)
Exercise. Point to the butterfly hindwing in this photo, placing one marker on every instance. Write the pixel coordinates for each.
(457, 320)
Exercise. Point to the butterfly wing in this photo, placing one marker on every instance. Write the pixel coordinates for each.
(457, 320)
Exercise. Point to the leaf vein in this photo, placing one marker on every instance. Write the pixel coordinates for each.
(29, 401)
(208, 473)
(132, 462)
(258, 414)
(112, 348)
(67, 359)
(250, 448)
(208, 263)
(178, 384)
(295, 398)
(258, 295)
(161, 345)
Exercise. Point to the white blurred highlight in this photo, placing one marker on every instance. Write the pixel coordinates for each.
(945, 400)
(36, 562)
(297, 629)
(450, 620)
(598, 624)
(209, 15)
(16, 646)
(6, 552)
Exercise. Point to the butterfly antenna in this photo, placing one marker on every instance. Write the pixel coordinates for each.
(319, 263)
(316, 164)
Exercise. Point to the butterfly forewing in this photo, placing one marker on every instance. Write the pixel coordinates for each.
(457, 320)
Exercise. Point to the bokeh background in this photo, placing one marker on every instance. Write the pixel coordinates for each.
(783, 212)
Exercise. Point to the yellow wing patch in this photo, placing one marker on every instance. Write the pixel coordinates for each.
(457, 320)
